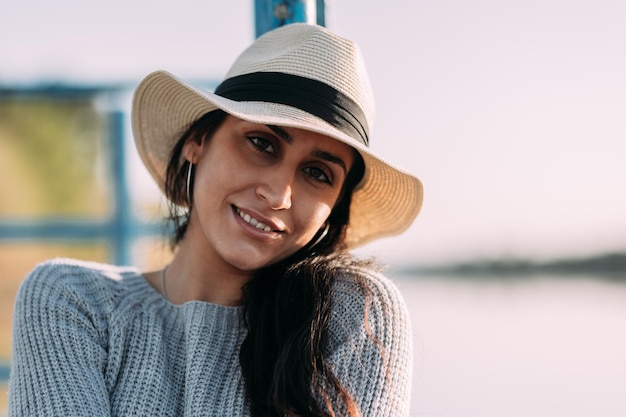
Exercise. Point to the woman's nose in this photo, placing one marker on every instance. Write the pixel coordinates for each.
(276, 189)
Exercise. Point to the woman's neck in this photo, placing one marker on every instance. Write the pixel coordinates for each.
(196, 276)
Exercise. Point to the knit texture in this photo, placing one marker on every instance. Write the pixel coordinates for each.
(98, 340)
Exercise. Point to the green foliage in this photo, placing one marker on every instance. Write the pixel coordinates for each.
(52, 151)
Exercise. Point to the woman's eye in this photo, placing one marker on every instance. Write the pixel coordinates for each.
(262, 144)
(317, 174)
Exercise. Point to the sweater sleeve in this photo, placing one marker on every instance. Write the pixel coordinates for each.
(59, 353)
(371, 346)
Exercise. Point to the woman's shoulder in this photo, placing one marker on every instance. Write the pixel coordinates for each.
(73, 272)
(370, 341)
(364, 298)
(362, 285)
(88, 283)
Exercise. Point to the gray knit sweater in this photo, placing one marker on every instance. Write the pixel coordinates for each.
(98, 340)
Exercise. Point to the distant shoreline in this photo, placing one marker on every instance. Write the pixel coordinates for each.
(612, 266)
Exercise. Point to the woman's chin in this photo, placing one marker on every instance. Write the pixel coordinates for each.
(253, 259)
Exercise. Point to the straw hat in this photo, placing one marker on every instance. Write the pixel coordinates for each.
(301, 76)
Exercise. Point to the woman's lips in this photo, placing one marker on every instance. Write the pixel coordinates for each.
(260, 224)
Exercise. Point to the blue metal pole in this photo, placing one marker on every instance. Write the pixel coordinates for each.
(320, 6)
(122, 216)
(270, 14)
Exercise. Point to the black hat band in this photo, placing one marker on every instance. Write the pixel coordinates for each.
(312, 96)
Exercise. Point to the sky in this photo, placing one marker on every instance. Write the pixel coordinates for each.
(511, 112)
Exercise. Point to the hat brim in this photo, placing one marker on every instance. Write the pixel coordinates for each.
(385, 202)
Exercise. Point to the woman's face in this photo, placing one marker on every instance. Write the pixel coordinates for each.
(261, 192)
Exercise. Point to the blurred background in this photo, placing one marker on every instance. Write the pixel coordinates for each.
(512, 113)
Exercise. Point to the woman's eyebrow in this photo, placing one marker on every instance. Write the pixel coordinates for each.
(282, 133)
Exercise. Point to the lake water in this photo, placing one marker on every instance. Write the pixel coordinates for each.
(542, 346)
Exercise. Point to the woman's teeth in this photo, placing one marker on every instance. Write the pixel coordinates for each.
(254, 222)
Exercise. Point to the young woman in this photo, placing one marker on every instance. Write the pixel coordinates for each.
(262, 311)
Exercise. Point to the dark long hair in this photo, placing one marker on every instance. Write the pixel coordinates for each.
(287, 305)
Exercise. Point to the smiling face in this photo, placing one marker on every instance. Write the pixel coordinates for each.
(261, 192)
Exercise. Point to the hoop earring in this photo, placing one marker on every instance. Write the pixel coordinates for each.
(321, 236)
(189, 169)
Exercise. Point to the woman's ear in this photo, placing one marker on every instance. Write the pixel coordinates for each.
(193, 148)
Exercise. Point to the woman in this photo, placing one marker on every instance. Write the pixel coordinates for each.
(262, 311)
